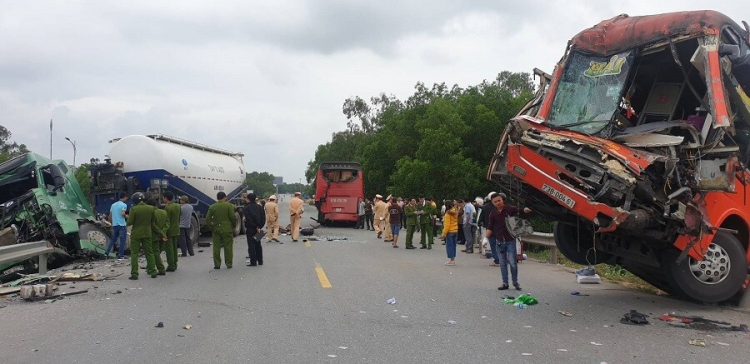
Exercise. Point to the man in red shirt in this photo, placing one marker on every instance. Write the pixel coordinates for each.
(506, 243)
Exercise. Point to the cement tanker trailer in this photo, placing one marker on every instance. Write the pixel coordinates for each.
(157, 163)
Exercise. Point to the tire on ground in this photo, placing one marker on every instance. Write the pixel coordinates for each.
(734, 261)
(575, 244)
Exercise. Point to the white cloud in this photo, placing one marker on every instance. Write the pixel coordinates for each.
(267, 78)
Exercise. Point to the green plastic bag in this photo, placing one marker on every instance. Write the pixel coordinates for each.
(527, 299)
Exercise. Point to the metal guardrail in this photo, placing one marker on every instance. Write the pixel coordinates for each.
(543, 239)
(18, 252)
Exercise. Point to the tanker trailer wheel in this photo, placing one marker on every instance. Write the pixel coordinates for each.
(575, 243)
(716, 278)
(195, 230)
(238, 225)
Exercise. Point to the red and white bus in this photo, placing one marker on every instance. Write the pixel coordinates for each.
(338, 187)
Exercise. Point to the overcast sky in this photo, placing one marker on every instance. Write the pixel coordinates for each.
(266, 78)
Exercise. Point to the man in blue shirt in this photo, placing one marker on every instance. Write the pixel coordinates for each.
(468, 221)
(118, 218)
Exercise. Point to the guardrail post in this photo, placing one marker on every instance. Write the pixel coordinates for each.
(553, 255)
(43, 263)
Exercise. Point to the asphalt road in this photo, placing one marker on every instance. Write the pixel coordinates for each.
(280, 313)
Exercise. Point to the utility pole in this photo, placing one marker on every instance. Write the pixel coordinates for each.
(74, 149)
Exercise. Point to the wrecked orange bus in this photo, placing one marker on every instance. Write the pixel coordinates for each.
(637, 146)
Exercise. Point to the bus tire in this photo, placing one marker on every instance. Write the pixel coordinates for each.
(718, 277)
(576, 244)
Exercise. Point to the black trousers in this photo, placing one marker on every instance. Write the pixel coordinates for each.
(360, 222)
(368, 222)
(186, 245)
(254, 249)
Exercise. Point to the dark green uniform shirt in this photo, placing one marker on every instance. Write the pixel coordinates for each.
(220, 217)
(173, 211)
(427, 213)
(411, 217)
(143, 220)
(162, 222)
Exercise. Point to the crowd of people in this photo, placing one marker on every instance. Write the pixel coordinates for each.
(156, 230)
(462, 223)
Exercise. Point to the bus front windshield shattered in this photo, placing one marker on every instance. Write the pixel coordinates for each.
(589, 92)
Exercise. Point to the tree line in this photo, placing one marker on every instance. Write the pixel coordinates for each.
(438, 142)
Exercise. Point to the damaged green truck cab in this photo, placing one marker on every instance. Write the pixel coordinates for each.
(637, 147)
(41, 200)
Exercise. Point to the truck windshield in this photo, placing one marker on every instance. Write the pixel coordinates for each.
(589, 91)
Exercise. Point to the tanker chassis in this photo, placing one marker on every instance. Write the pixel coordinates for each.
(639, 147)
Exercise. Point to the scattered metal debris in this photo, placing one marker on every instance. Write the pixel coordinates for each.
(697, 342)
(634, 318)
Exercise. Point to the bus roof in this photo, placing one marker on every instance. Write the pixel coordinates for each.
(625, 32)
(340, 166)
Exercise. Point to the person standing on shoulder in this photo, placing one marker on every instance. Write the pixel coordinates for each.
(221, 219)
(118, 215)
(394, 221)
(295, 214)
(143, 220)
(173, 213)
(410, 210)
(186, 216)
(487, 209)
(506, 243)
(158, 245)
(271, 209)
(468, 223)
(426, 220)
(450, 229)
(254, 217)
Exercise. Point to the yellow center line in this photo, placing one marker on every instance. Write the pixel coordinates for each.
(322, 276)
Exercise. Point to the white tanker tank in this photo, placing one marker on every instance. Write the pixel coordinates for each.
(159, 163)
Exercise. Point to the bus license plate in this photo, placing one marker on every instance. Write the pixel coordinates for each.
(338, 209)
(559, 195)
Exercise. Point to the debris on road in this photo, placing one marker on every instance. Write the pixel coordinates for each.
(576, 293)
(596, 343)
(634, 318)
(700, 323)
(391, 301)
(187, 327)
(563, 350)
(721, 343)
(698, 342)
(160, 325)
(565, 313)
(452, 322)
(522, 301)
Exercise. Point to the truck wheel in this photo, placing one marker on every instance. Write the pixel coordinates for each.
(716, 278)
(575, 244)
(93, 237)
(195, 230)
(238, 224)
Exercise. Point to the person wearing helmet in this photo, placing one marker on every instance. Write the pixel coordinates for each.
(143, 220)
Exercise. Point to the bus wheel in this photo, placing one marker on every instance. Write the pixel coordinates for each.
(238, 225)
(717, 277)
(576, 244)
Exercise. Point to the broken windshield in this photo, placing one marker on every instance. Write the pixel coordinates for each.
(589, 92)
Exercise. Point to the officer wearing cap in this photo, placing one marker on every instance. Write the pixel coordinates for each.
(143, 220)
(272, 218)
(295, 214)
(221, 219)
(379, 209)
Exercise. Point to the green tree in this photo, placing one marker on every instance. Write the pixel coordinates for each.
(9, 149)
(261, 183)
(82, 176)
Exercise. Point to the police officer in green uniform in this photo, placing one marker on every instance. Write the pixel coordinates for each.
(220, 218)
(426, 214)
(162, 222)
(410, 210)
(173, 233)
(143, 220)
